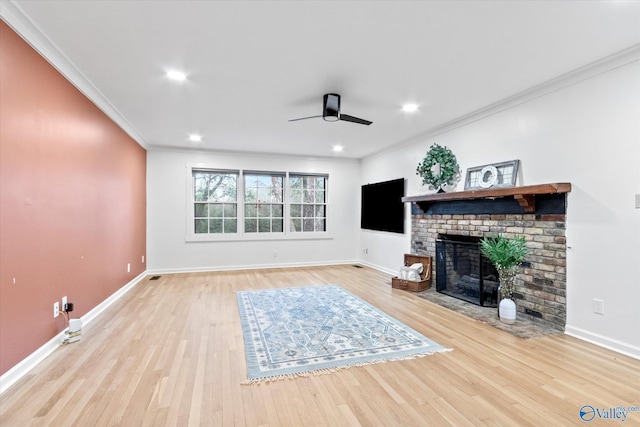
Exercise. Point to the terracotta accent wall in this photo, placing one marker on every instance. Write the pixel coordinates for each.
(72, 201)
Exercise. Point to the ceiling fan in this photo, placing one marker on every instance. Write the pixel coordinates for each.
(331, 111)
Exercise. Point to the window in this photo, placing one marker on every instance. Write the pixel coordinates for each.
(263, 203)
(215, 205)
(308, 203)
(237, 205)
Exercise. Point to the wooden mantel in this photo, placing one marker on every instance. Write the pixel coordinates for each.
(525, 195)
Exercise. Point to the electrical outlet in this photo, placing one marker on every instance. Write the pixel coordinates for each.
(56, 309)
(129, 268)
(598, 306)
(143, 259)
(64, 304)
(365, 251)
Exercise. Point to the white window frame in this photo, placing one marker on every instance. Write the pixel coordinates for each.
(286, 234)
(281, 175)
(194, 202)
(303, 203)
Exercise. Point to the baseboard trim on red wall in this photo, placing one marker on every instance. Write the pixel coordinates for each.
(27, 364)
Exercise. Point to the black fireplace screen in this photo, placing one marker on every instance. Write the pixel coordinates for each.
(463, 272)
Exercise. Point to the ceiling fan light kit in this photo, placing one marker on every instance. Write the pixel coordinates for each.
(331, 111)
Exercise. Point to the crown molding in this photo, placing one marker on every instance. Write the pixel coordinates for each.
(14, 16)
(593, 69)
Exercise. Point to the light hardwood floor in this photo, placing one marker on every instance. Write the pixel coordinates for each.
(171, 352)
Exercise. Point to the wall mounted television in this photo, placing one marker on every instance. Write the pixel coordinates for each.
(382, 208)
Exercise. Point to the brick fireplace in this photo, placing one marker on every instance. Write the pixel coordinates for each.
(541, 284)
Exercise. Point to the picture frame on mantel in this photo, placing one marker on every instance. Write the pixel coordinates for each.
(494, 175)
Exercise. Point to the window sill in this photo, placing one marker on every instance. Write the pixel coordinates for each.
(256, 237)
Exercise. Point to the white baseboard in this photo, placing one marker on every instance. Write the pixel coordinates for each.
(602, 341)
(24, 366)
(93, 313)
(249, 267)
(599, 340)
(379, 268)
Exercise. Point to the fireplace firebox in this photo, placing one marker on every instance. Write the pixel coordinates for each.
(463, 272)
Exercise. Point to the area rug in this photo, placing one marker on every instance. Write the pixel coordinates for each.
(292, 332)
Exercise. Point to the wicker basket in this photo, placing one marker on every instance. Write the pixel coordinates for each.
(425, 276)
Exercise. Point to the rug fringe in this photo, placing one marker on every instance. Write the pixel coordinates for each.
(324, 371)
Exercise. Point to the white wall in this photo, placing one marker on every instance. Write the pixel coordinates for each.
(586, 132)
(385, 251)
(168, 251)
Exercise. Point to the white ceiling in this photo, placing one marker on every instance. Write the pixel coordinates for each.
(252, 65)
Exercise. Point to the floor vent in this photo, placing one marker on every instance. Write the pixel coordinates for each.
(155, 277)
(357, 266)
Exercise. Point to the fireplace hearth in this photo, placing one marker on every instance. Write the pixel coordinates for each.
(463, 272)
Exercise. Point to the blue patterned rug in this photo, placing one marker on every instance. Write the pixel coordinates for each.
(293, 332)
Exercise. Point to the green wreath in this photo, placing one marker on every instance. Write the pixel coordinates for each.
(442, 156)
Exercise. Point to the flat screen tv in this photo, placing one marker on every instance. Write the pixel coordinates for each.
(382, 208)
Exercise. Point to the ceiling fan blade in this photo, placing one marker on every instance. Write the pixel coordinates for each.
(331, 111)
(352, 119)
(305, 118)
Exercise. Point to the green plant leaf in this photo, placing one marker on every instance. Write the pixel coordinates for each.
(503, 252)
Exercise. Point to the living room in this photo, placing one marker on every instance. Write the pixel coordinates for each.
(96, 211)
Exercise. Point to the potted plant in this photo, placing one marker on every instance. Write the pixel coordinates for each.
(506, 255)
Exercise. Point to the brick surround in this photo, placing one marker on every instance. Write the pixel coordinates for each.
(541, 283)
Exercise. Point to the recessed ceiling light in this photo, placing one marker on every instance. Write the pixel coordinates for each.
(338, 148)
(195, 138)
(176, 75)
(410, 108)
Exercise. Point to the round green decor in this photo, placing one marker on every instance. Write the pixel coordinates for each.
(443, 157)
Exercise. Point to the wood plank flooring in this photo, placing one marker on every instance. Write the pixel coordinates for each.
(171, 353)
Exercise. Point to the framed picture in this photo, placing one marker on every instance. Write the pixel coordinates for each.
(503, 174)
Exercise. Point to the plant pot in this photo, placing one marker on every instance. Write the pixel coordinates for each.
(507, 311)
(506, 286)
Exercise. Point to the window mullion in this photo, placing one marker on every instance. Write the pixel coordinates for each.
(286, 202)
(241, 201)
